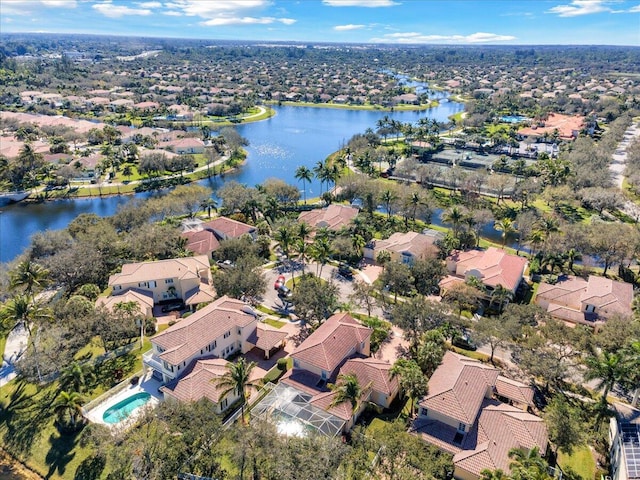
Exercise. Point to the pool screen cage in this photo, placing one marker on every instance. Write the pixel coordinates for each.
(293, 413)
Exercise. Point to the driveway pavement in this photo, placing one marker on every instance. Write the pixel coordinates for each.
(15, 346)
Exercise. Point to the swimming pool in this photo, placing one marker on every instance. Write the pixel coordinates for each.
(124, 408)
(514, 118)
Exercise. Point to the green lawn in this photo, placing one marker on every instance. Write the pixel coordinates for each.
(274, 323)
(580, 461)
(3, 342)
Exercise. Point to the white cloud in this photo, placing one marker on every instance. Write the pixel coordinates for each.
(247, 21)
(580, 7)
(172, 13)
(227, 12)
(635, 9)
(360, 3)
(116, 11)
(27, 7)
(149, 4)
(346, 28)
(415, 37)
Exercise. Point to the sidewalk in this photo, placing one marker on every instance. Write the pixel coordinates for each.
(15, 346)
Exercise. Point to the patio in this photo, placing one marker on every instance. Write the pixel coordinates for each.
(146, 384)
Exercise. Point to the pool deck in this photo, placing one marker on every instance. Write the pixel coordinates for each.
(146, 384)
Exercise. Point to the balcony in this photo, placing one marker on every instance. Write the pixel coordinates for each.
(152, 361)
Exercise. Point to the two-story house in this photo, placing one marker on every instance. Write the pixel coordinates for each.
(220, 329)
(492, 267)
(463, 415)
(188, 279)
(576, 300)
(340, 346)
(203, 238)
(333, 217)
(403, 247)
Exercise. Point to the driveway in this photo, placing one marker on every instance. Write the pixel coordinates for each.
(14, 348)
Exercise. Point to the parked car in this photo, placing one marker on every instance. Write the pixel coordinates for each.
(464, 341)
(345, 270)
(279, 282)
(225, 264)
(172, 306)
(284, 292)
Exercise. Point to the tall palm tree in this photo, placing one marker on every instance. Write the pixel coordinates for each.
(304, 230)
(455, 217)
(305, 176)
(302, 248)
(607, 367)
(319, 171)
(321, 252)
(507, 227)
(358, 242)
(30, 275)
(209, 204)
(68, 404)
(499, 296)
(528, 465)
(22, 310)
(415, 201)
(348, 389)
(237, 379)
(75, 377)
(388, 197)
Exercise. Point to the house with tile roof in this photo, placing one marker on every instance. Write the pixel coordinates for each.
(203, 238)
(340, 346)
(492, 267)
(586, 302)
(188, 279)
(462, 414)
(333, 217)
(403, 247)
(143, 299)
(199, 381)
(221, 329)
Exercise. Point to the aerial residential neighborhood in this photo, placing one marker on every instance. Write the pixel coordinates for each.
(372, 242)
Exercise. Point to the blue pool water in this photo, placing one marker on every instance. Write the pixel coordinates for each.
(123, 409)
(514, 118)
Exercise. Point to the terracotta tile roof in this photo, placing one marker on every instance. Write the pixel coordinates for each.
(187, 337)
(323, 400)
(203, 293)
(374, 372)
(565, 298)
(415, 243)
(228, 228)
(513, 390)
(334, 217)
(181, 268)
(198, 381)
(142, 298)
(304, 381)
(501, 428)
(458, 387)
(334, 341)
(266, 337)
(565, 124)
(201, 243)
(494, 266)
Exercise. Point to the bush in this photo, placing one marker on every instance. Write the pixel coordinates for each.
(282, 364)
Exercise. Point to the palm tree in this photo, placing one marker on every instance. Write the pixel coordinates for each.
(209, 204)
(305, 176)
(302, 248)
(68, 404)
(348, 389)
(23, 311)
(130, 311)
(387, 198)
(415, 201)
(358, 242)
(453, 216)
(237, 380)
(321, 252)
(304, 230)
(505, 226)
(528, 465)
(319, 171)
(609, 368)
(29, 275)
(498, 474)
(499, 296)
(75, 377)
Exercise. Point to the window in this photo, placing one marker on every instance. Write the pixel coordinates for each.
(462, 427)
(296, 363)
(152, 284)
(324, 375)
(590, 308)
(168, 280)
(214, 345)
(239, 331)
(227, 334)
(424, 412)
(117, 287)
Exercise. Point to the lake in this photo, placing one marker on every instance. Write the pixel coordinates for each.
(294, 136)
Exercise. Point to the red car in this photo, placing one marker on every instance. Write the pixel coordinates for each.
(279, 282)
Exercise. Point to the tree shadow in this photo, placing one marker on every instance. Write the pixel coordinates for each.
(26, 417)
(60, 453)
(90, 468)
(112, 371)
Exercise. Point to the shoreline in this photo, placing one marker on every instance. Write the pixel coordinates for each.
(372, 108)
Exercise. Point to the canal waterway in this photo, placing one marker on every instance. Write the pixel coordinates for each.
(294, 136)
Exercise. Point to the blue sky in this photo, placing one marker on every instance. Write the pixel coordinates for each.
(606, 22)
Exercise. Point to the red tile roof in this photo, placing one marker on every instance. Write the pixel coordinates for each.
(495, 266)
(228, 228)
(374, 372)
(338, 338)
(187, 337)
(458, 387)
(202, 242)
(334, 217)
(266, 337)
(513, 390)
(198, 381)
